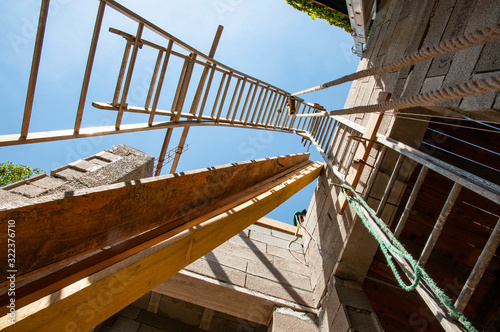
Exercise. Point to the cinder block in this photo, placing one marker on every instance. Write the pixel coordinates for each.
(284, 235)
(98, 161)
(159, 321)
(181, 311)
(353, 297)
(292, 265)
(28, 190)
(272, 288)
(489, 60)
(496, 105)
(432, 83)
(362, 320)
(130, 312)
(125, 324)
(482, 101)
(215, 270)
(260, 229)
(228, 259)
(284, 253)
(340, 322)
(271, 272)
(148, 328)
(69, 174)
(329, 309)
(286, 320)
(85, 166)
(48, 183)
(268, 239)
(248, 243)
(142, 302)
(108, 156)
(245, 252)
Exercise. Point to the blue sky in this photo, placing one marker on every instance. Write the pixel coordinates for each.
(266, 39)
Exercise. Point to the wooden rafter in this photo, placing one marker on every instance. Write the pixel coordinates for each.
(89, 300)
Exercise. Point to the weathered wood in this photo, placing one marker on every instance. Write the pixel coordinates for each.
(64, 228)
(369, 134)
(235, 301)
(37, 286)
(206, 319)
(89, 301)
(154, 302)
(278, 225)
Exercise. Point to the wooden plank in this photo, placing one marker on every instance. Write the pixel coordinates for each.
(235, 301)
(86, 221)
(363, 151)
(278, 225)
(206, 319)
(154, 302)
(38, 286)
(91, 300)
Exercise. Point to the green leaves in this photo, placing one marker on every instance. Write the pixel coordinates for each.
(10, 173)
(315, 10)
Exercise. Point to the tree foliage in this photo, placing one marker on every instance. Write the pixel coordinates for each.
(318, 11)
(10, 173)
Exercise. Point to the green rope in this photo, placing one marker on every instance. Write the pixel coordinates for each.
(393, 245)
(295, 216)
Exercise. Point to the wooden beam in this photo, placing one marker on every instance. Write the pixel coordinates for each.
(364, 149)
(63, 228)
(206, 319)
(279, 226)
(89, 301)
(154, 302)
(234, 300)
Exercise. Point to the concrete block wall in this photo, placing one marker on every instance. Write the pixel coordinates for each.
(341, 302)
(173, 315)
(121, 163)
(258, 259)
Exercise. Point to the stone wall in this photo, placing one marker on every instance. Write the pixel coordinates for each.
(122, 163)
